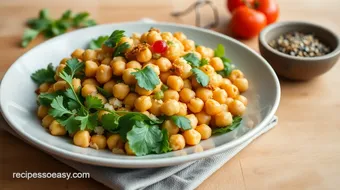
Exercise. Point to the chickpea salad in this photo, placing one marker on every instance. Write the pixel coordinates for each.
(145, 94)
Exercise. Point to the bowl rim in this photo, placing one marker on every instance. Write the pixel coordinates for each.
(272, 27)
(139, 163)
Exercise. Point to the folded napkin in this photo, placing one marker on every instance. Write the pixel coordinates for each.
(182, 177)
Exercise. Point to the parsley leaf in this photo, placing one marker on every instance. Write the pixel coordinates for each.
(103, 92)
(236, 122)
(114, 38)
(44, 75)
(73, 66)
(120, 49)
(93, 102)
(29, 35)
(58, 107)
(46, 99)
(165, 145)
(201, 77)
(110, 122)
(146, 78)
(83, 121)
(181, 122)
(70, 123)
(204, 61)
(192, 59)
(219, 51)
(97, 43)
(227, 67)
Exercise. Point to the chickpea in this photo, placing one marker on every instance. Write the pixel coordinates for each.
(89, 54)
(153, 67)
(78, 53)
(118, 67)
(115, 142)
(156, 107)
(106, 61)
(167, 36)
(158, 87)
(91, 81)
(217, 63)
(152, 37)
(129, 100)
(164, 64)
(189, 45)
(173, 51)
(98, 141)
(232, 90)
(44, 87)
(60, 85)
(141, 91)
(133, 65)
(182, 68)
(164, 76)
(224, 83)
(220, 95)
(42, 111)
(186, 95)
(215, 80)
(143, 38)
(76, 83)
(224, 107)
(108, 86)
(229, 100)
(208, 69)
(209, 53)
(88, 89)
(50, 90)
(59, 69)
(204, 130)
(196, 105)
(223, 119)
(192, 137)
(204, 94)
(175, 82)
(177, 142)
(180, 36)
(170, 94)
(126, 39)
(170, 127)
(183, 109)
(103, 74)
(197, 55)
(119, 58)
(143, 103)
(101, 113)
(241, 84)
(64, 61)
(107, 49)
(193, 120)
(187, 84)
(128, 150)
(237, 108)
(144, 56)
(235, 74)
(203, 118)
(128, 78)
(170, 107)
(100, 97)
(242, 99)
(120, 90)
(56, 129)
(46, 121)
(212, 107)
(90, 68)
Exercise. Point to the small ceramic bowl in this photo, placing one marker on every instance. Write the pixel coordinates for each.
(299, 68)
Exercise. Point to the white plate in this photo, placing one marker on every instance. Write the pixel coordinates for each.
(18, 100)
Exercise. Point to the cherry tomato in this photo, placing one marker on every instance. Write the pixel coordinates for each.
(247, 22)
(269, 7)
(233, 4)
(159, 46)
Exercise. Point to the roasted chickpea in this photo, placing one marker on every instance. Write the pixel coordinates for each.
(118, 67)
(241, 84)
(189, 45)
(101, 113)
(223, 119)
(203, 118)
(180, 36)
(56, 129)
(91, 81)
(153, 67)
(46, 121)
(183, 109)
(103, 74)
(186, 95)
(144, 56)
(170, 94)
(134, 65)
(204, 130)
(196, 105)
(120, 90)
(175, 82)
(129, 100)
(98, 142)
(167, 36)
(177, 142)
(173, 51)
(193, 120)
(60, 85)
(182, 68)
(78, 53)
(156, 107)
(170, 127)
(141, 91)
(212, 107)
(192, 137)
(229, 100)
(187, 84)
(76, 83)
(90, 68)
(89, 54)
(108, 86)
(224, 83)
(237, 108)
(215, 80)
(164, 76)
(115, 142)
(42, 111)
(208, 69)
(64, 61)
(242, 99)
(217, 63)
(88, 89)
(220, 95)
(106, 61)
(153, 36)
(59, 69)
(143, 103)
(128, 78)
(232, 90)
(44, 87)
(170, 107)
(204, 93)
(235, 74)
(128, 150)
(164, 64)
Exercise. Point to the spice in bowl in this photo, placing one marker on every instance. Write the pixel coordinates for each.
(300, 45)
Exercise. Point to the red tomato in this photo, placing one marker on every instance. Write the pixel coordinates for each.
(269, 7)
(233, 4)
(247, 22)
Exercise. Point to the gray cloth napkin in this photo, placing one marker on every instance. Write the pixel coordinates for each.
(182, 177)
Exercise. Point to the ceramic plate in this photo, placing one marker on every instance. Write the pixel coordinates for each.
(18, 100)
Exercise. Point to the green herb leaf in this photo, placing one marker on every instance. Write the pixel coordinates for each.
(110, 122)
(114, 38)
(44, 75)
(204, 61)
(70, 123)
(158, 95)
(93, 102)
(46, 99)
(58, 108)
(165, 145)
(164, 87)
(97, 43)
(66, 15)
(120, 49)
(202, 78)
(227, 67)
(79, 19)
(69, 93)
(219, 51)
(29, 35)
(73, 105)
(181, 122)
(103, 92)
(83, 121)
(147, 78)
(192, 59)
(92, 121)
(73, 66)
(236, 122)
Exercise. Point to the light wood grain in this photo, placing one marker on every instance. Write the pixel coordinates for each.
(302, 152)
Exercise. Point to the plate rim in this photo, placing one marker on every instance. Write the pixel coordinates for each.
(141, 163)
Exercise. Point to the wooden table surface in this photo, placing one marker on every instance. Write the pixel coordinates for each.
(302, 152)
